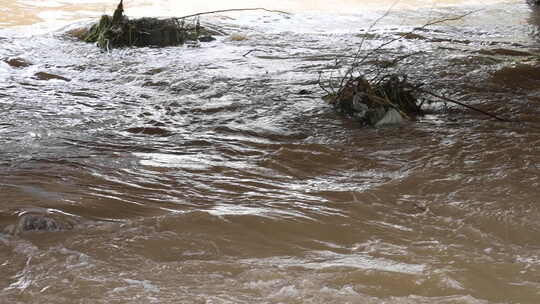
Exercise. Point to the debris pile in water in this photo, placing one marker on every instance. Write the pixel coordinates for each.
(388, 100)
(120, 31)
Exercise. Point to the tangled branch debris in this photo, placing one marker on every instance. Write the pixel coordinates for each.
(387, 101)
(119, 31)
(385, 98)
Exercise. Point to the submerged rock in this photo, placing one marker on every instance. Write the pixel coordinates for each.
(43, 223)
(207, 38)
(17, 62)
(48, 76)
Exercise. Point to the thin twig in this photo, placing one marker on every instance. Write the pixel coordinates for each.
(402, 36)
(357, 54)
(461, 104)
(251, 51)
(379, 70)
(232, 10)
(320, 84)
(355, 57)
(357, 61)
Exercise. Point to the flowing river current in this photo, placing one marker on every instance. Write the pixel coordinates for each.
(215, 173)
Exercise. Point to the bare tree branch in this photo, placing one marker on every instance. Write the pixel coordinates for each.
(438, 21)
(461, 104)
(232, 10)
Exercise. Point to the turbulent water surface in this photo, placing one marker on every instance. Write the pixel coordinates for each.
(214, 173)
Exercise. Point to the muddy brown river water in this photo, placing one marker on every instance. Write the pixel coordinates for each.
(196, 174)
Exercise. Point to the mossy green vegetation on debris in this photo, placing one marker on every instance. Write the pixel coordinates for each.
(120, 31)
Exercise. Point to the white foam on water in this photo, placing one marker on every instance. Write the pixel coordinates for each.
(146, 285)
(178, 8)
